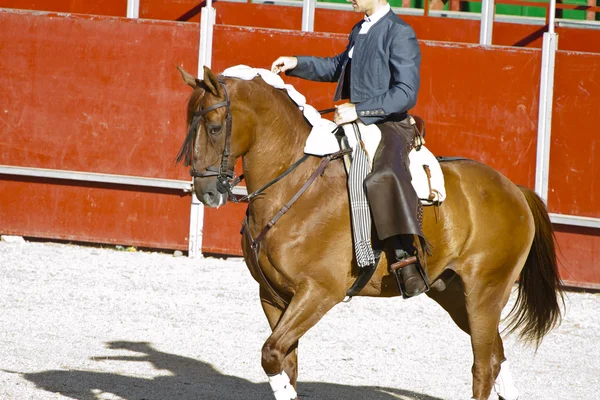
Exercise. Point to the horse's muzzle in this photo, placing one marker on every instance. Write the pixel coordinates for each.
(212, 198)
(209, 195)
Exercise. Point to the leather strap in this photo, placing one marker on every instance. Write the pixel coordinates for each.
(254, 243)
(403, 263)
(320, 169)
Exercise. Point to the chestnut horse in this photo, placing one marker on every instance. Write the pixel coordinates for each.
(487, 234)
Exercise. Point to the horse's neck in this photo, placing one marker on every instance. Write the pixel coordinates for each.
(279, 138)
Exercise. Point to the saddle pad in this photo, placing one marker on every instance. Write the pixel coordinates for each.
(320, 142)
(418, 160)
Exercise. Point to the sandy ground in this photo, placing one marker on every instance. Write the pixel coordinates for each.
(91, 323)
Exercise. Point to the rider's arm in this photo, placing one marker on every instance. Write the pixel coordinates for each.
(322, 69)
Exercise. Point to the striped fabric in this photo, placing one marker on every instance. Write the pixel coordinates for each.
(359, 205)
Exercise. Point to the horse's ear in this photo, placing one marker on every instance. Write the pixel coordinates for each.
(189, 78)
(211, 82)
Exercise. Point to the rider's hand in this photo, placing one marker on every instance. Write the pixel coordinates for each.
(283, 64)
(345, 113)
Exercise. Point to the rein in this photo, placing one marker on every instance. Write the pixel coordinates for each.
(319, 171)
(274, 181)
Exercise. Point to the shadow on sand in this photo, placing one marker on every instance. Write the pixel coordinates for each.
(189, 379)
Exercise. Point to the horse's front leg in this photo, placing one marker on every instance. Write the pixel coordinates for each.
(273, 312)
(310, 302)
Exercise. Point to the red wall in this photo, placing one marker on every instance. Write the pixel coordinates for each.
(575, 150)
(94, 94)
(97, 213)
(102, 94)
(579, 254)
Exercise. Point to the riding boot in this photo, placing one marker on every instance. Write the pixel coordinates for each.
(408, 271)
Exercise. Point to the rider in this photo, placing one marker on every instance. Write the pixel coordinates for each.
(379, 73)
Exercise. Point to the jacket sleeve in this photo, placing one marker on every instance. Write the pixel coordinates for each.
(322, 69)
(404, 63)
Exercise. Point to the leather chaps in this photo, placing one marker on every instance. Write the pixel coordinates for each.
(395, 207)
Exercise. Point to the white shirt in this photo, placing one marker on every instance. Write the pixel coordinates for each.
(370, 21)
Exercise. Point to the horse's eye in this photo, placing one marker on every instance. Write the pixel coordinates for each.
(214, 129)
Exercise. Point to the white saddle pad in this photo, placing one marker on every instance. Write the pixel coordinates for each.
(418, 162)
(321, 140)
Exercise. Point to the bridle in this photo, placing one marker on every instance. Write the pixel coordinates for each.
(226, 179)
(225, 174)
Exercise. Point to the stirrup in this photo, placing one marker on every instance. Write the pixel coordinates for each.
(395, 271)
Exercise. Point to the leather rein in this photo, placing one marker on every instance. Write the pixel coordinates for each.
(226, 179)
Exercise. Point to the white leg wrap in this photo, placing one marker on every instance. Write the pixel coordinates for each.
(281, 387)
(504, 385)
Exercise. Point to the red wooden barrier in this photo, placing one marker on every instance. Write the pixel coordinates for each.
(97, 213)
(575, 151)
(94, 94)
(117, 106)
(579, 252)
(114, 107)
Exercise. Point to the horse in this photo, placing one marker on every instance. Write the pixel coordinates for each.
(488, 234)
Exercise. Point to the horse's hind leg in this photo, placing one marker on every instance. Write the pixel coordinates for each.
(484, 303)
(454, 301)
(309, 304)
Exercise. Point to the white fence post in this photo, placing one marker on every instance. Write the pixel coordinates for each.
(542, 164)
(308, 15)
(207, 22)
(487, 22)
(133, 8)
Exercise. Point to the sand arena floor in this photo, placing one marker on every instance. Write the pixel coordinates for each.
(92, 323)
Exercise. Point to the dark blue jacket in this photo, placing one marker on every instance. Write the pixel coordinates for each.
(384, 74)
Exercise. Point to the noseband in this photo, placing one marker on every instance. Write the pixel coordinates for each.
(225, 175)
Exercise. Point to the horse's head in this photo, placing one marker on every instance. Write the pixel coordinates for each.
(208, 147)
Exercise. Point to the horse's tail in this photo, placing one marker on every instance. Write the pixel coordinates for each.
(538, 306)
